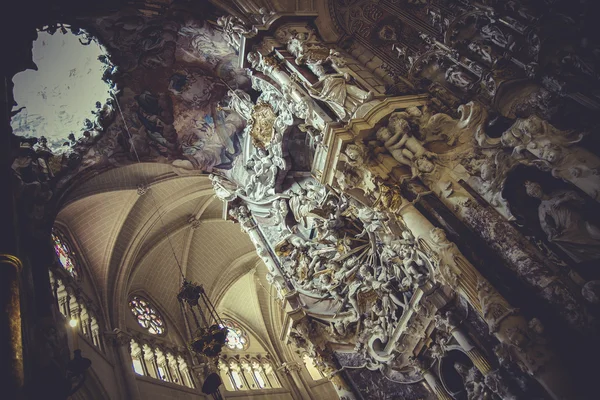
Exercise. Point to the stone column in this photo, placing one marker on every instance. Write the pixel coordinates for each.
(11, 341)
(447, 323)
(121, 341)
(292, 371)
(330, 366)
(174, 365)
(249, 226)
(432, 381)
(526, 345)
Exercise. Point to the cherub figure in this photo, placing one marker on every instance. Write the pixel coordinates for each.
(398, 140)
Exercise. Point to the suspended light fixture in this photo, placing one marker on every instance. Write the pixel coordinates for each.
(207, 331)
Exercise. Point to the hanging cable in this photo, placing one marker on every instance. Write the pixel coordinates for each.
(145, 184)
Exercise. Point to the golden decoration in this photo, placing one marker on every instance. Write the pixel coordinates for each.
(389, 198)
(262, 123)
(270, 61)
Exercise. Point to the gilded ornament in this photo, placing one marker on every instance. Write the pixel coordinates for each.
(262, 123)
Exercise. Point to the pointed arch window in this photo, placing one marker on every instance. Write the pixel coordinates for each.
(64, 252)
(147, 315)
(237, 339)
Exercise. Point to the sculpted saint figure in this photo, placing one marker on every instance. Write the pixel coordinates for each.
(562, 221)
(240, 102)
(224, 189)
(44, 154)
(233, 30)
(265, 167)
(334, 89)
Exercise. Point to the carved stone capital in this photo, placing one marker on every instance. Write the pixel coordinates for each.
(118, 338)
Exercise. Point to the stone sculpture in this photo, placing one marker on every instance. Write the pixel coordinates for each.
(473, 381)
(398, 140)
(337, 92)
(234, 29)
(564, 223)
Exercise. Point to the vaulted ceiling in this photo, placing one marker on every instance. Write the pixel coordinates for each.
(132, 241)
(173, 69)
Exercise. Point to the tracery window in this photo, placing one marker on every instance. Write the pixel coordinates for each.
(64, 252)
(248, 373)
(147, 315)
(162, 363)
(74, 305)
(237, 339)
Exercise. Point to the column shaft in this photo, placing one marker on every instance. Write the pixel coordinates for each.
(11, 340)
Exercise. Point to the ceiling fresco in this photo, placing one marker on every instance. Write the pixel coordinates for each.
(170, 73)
(173, 71)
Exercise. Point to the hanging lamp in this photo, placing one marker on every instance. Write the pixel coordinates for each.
(207, 330)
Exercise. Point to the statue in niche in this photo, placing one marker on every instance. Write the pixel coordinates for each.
(552, 149)
(473, 381)
(399, 141)
(459, 78)
(482, 50)
(562, 221)
(335, 90)
(495, 35)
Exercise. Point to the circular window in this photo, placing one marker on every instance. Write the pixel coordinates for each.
(236, 336)
(64, 252)
(147, 315)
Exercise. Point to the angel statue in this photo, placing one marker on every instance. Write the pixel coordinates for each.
(234, 29)
(398, 140)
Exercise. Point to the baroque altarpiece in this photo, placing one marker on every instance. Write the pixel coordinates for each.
(421, 179)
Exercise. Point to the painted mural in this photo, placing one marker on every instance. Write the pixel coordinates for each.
(171, 72)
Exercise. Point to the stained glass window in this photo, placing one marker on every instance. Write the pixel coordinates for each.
(65, 255)
(236, 337)
(147, 316)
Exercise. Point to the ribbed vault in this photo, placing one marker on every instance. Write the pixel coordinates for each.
(131, 241)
